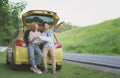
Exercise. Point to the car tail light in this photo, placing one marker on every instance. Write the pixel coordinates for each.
(20, 43)
(58, 45)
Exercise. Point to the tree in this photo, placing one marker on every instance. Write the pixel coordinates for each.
(10, 18)
(65, 27)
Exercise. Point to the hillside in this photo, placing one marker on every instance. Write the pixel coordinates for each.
(103, 38)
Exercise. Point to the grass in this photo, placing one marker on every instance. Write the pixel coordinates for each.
(68, 71)
(101, 38)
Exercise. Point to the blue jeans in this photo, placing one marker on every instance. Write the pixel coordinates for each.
(32, 48)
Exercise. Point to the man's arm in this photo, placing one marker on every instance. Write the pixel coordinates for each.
(58, 25)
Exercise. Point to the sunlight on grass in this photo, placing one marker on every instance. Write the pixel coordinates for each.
(69, 70)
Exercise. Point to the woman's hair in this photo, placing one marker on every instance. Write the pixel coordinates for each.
(33, 28)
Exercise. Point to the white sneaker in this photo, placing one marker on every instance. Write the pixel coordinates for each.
(32, 69)
(36, 71)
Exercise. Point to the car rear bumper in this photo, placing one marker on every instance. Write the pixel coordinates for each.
(22, 57)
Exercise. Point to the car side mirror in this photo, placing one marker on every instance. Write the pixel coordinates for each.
(7, 40)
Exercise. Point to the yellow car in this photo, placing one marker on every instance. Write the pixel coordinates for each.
(17, 53)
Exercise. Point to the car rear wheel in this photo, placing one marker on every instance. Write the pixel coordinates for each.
(7, 62)
(58, 67)
(13, 66)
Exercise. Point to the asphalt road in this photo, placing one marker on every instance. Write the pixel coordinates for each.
(112, 62)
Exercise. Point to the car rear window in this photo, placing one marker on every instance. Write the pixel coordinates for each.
(41, 18)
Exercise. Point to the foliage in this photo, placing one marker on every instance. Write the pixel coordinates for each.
(9, 18)
(101, 38)
(65, 27)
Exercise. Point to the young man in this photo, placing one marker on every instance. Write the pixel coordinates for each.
(49, 46)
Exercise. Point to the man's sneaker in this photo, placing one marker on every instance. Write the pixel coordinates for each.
(36, 70)
(54, 71)
(45, 70)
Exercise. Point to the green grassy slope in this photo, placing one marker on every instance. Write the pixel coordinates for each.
(103, 38)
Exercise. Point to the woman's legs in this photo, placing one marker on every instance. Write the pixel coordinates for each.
(31, 48)
(31, 54)
(39, 54)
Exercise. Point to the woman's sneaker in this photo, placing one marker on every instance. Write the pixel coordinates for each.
(36, 70)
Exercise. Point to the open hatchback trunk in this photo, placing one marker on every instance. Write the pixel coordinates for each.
(39, 15)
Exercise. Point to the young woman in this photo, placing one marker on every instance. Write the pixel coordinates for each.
(33, 47)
